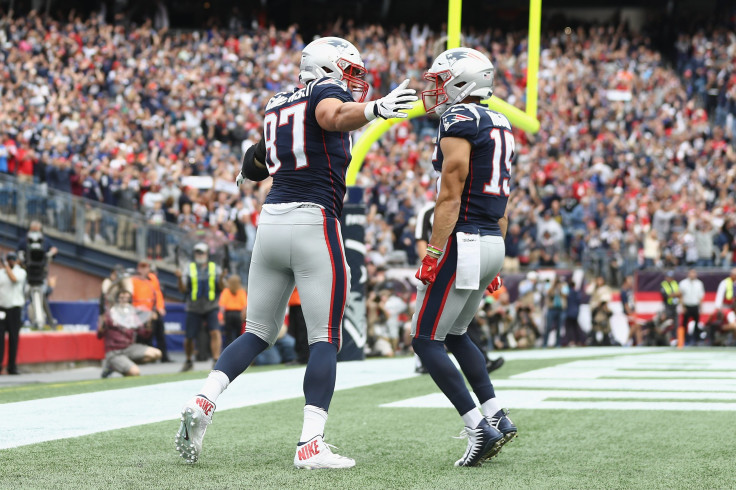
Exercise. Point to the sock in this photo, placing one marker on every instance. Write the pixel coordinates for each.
(240, 354)
(472, 418)
(319, 378)
(490, 407)
(473, 363)
(314, 423)
(444, 373)
(214, 385)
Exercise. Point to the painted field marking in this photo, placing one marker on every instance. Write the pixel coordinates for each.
(538, 399)
(634, 382)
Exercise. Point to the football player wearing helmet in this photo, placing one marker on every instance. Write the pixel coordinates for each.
(306, 150)
(475, 147)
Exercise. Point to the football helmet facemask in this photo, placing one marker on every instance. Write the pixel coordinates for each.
(457, 73)
(336, 58)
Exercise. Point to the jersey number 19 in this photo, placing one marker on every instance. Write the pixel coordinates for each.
(496, 187)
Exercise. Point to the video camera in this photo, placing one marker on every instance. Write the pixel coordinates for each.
(35, 258)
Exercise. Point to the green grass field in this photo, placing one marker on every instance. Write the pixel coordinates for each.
(253, 447)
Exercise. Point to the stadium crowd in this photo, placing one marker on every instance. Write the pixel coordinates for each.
(634, 165)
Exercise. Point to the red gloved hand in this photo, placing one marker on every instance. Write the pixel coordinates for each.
(427, 272)
(495, 285)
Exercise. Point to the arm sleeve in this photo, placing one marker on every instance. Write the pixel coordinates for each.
(249, 168)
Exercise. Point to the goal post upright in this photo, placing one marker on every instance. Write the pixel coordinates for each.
(525, 120)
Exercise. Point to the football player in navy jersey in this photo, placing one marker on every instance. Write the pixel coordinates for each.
(464, 255)
(306, 149)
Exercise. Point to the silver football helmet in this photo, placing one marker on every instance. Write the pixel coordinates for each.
(336, 58)
(457, 73)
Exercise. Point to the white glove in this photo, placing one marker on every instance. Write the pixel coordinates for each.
(239, 179)
(399, 99)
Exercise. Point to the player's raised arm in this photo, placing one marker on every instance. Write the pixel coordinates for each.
(335, 115)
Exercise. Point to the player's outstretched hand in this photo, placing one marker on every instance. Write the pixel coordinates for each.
(400, 99)
(495, 285)
(239, 179)
(427, 272)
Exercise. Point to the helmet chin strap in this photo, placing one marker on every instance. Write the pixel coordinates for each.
(460, 97)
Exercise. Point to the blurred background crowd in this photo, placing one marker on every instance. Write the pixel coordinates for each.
(634, 165)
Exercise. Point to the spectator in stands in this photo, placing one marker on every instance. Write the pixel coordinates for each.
(652, 251)
(704, 242)
(513, 239)
(119, 329)
(233, 302)
(202, 284)
(148, 297)
(12, 300)
(693, 292)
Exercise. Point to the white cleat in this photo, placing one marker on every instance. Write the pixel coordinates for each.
(195, 417)
(316, 454)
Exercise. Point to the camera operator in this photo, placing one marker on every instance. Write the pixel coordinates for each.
(119, 329)
(12, 282)
(35, 251)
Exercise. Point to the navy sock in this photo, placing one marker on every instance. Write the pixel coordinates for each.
(473, 363)
(240, 354)
(319, 379)
(444, 373)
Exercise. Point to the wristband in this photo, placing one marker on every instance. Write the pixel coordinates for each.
(369, 111)
(435, 251)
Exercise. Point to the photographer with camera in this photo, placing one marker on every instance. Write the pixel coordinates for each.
(35, 252)
(12, 282)
(119, 329)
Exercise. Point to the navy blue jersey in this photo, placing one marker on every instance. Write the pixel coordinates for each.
(486, 188)
(307, 163)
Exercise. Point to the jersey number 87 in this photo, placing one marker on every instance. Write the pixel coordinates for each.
(272, 121)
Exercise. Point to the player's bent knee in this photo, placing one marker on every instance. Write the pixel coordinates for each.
(263, 332)
(133, 371)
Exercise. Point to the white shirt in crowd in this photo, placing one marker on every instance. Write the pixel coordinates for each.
(11, 293)
(692, 291)
(721, 294)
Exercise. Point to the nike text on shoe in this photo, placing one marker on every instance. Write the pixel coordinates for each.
(501, 421)
(484, 442)
(316, 454)
(195, 417)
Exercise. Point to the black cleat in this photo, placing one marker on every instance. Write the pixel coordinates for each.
(503, 424)
(495, 364)
(484, 442)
